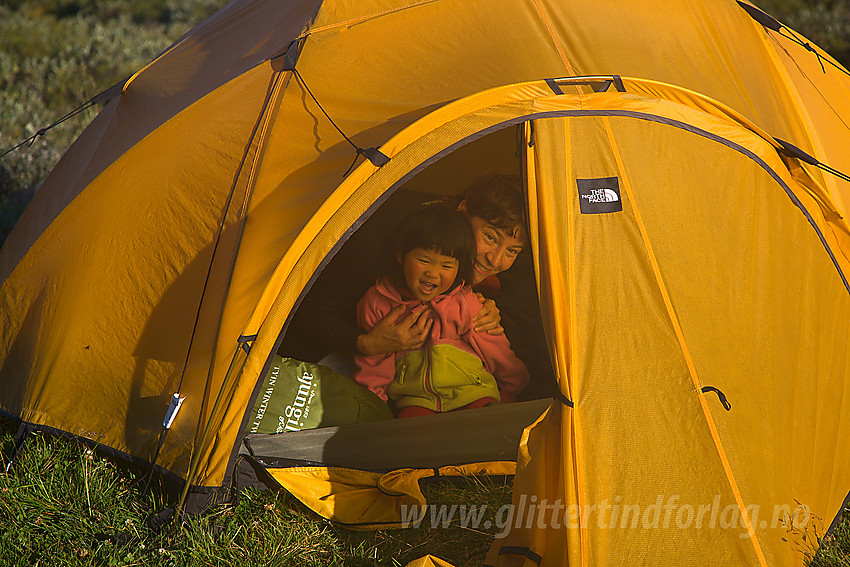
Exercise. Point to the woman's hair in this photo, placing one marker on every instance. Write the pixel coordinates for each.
(439, 228)
(499, 198)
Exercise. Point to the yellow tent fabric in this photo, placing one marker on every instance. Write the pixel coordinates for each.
(638, 381)
(429, 561)
(170, 245)
(367, 500)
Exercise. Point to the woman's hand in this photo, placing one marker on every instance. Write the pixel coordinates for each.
(488, 320)
(388, 336)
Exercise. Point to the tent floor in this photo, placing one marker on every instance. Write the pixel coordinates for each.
(470, 436)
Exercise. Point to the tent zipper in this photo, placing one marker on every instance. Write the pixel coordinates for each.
(429, 387)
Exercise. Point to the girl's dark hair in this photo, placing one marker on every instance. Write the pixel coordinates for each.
(439, 228)
(499, 198)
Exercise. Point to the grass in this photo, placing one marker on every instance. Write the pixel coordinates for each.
(65, 505)
(57, 54)
(835, 550)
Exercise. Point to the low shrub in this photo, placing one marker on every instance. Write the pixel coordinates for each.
(57, 54)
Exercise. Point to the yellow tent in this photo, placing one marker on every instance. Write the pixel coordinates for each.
(690, 251)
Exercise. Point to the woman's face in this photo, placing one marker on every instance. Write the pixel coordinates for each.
(496, 248)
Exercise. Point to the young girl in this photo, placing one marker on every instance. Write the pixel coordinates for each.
(457, 368)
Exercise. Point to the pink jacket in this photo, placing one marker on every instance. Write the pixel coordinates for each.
(457, 366)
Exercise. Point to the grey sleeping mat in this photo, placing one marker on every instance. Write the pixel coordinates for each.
(468, 436)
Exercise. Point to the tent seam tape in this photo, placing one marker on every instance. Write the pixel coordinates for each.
(156, 59)
(361, 19)
(261, 139)
(685, 351)
(573, 368)
(549, 28)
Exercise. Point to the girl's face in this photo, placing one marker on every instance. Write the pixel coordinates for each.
(428, 273)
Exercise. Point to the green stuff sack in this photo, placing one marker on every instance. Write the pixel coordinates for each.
(301, 395)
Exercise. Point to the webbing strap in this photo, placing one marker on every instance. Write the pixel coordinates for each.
(563, 399)
(244, 342)
(521, 551)
(556, 88)
(791, 150)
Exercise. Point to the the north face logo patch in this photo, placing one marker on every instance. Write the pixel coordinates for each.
(600, 195)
